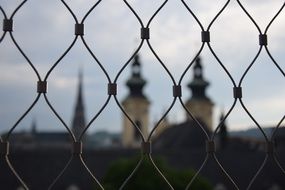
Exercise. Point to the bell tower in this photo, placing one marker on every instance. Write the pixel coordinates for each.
(136, 105)
(200, 105)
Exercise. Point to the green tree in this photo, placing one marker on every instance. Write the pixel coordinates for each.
(147, 178)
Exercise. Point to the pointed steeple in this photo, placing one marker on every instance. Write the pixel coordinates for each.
(198, 85)
(223, 133)
(136, 82)
(78, 122)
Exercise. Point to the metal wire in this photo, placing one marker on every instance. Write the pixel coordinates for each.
(205, 43)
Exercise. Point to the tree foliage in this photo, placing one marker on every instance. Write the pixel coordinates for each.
(147, 177)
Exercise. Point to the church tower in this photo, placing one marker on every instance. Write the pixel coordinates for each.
(137, 106)
(78, 122)
(199, 104)
(223, 133)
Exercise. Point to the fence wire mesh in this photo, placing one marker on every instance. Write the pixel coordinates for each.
(145, 28)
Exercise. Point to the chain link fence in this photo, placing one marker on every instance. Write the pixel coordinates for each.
(145, 28)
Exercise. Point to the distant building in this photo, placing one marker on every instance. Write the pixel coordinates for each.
(190, 134)
(104, 140)
(200, 105)
(40, 156)
(182, 136)
(35, 139)
(136, 106)
(201, 108)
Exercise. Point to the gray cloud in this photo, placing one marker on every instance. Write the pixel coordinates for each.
(112, 32)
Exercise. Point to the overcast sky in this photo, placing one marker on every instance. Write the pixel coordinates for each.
(44, 30)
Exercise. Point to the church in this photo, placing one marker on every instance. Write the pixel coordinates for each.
(181, 144)
(35, 139)
(137, 106)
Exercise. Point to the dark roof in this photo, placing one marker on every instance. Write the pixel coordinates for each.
(41, 136)
(280, 133)
(39, 167)
(182, 145)
(182, 136)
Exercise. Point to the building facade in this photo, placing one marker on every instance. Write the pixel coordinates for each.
(136, 106)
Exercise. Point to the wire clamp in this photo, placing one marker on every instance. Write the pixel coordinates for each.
(205, 36)
(237, 92)
(145, 33)
(42, 87)
(77, 148)
(112, 89)
(270, 147)
(177, 92)
(79, 29)
(146, 148)
(7, 25)
(263, 39)
(210, 147)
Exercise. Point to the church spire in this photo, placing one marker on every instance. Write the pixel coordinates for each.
(198, 85)
(136, 105)
(78, 122)
(199, 103)
(136, 82)
(223, 133)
